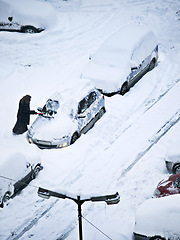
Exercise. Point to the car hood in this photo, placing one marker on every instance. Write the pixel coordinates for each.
(52, 128)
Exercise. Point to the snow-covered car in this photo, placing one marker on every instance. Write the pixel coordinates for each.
(17, 170)
(158, 219)
(66, 115)
(169, 186)
(172, 159)
(27, 16)
(122, 60)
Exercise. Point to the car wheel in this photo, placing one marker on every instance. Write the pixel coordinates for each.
(176, 168)
(74, 137)
(101, 112)
(36, 170)
(157, 238)
(124, 88)
(152, 64)
(29, 29)
(6, 197)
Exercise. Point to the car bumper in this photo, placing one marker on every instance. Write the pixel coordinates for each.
(48, 144)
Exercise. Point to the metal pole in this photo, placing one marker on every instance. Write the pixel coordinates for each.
(79, 217)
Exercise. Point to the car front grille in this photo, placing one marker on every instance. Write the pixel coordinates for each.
(47, 143)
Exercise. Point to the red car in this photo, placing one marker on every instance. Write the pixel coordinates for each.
(169, 186)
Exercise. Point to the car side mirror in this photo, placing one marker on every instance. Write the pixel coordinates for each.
(134, 68)
(10, 19)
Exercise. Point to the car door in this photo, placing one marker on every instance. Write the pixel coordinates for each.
(83, 115)
(87, 110)
(93, 104)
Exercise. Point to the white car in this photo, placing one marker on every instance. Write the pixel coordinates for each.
(172, 158)
(17, 169)
(66, 115)
(122, 60)
(158, 219)
(27, 16)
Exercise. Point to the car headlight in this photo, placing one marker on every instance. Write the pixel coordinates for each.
(65, 144)
(62, 142)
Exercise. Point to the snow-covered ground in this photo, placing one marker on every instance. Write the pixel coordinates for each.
(124, 151)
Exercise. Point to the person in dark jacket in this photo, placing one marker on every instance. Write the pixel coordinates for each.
(23, 115)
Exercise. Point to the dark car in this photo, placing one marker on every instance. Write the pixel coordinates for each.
(169, 186)
(17, 170)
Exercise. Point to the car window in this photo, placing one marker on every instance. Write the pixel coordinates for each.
(92, 98)
(86, 102)
(83, 105)
(177, 183)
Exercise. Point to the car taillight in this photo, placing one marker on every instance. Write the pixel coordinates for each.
(103, 97)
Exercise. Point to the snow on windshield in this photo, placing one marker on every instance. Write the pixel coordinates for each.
(50, 107)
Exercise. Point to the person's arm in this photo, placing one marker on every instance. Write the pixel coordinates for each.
(33, 112)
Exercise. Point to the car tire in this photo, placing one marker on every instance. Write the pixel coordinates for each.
(176, 168)
(152, 64)
(36, 170)
(29, 29)
(5, 198)
(124, 88)
(157, 238)
(101, 112)
(74, 137)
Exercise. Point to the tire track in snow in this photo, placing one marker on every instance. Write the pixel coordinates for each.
(30, 224)
(145, 110)
(159, 134)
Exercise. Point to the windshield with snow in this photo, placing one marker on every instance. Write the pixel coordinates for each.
(50, 108)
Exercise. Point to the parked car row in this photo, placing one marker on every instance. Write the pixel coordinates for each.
(118, 64)
(158, 218)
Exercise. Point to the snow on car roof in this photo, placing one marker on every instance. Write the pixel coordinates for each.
(159, 216)
(11, 153)
(118, 49)
(71, 95)
(40, 14)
